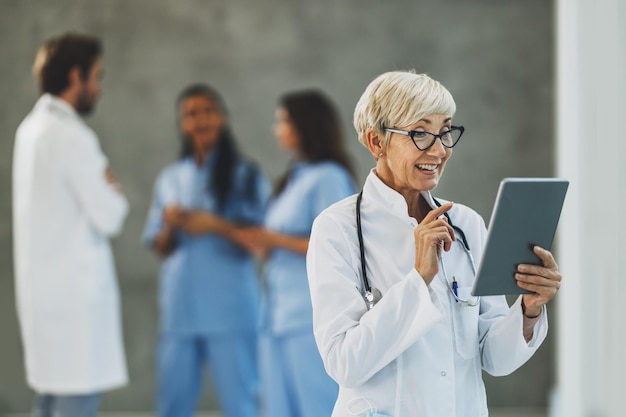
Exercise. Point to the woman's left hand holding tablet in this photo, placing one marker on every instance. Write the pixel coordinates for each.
(543, 280)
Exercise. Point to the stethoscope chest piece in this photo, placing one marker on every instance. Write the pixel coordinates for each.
(372, 297)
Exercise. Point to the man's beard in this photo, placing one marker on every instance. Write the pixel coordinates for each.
(85, 103)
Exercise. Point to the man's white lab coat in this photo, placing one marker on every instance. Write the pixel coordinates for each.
(418, 352)
(64, 211)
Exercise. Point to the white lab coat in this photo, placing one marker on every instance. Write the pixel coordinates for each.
(417, 353)
(66, 288)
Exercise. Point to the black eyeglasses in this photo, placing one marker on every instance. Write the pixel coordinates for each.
(424, 140)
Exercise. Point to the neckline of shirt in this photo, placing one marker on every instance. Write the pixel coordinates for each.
(59, 104)
(210, 160)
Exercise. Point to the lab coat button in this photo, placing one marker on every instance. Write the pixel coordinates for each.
(443, 373)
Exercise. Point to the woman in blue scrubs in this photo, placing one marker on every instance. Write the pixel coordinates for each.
(294, 381)
(208, 292)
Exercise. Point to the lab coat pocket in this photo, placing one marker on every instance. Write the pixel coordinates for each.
(465, 319)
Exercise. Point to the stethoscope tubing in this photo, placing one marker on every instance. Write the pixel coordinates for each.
(368, 293)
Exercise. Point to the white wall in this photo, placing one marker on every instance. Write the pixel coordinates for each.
(591, 111)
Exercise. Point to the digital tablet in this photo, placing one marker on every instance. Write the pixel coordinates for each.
(526, 213)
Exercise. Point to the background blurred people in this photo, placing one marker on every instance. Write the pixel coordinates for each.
(151, 46)
(209, 294)
(294, 381)
(66, 204)
(420, 349)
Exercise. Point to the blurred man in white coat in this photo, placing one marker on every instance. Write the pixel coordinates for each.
(66, 206)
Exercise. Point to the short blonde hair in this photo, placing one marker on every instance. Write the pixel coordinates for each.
(398, 99)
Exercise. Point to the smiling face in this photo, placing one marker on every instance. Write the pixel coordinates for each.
(201, 122)
(405, 168)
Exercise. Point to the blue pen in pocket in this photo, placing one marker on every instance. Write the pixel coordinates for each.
(455, 288)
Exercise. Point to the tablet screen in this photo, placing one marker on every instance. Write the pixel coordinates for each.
(526, 213)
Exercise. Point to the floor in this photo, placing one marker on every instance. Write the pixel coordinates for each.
(494, 412)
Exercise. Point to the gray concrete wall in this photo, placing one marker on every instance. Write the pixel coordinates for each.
(495, 56)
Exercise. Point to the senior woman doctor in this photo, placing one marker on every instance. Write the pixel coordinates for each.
(420, 349)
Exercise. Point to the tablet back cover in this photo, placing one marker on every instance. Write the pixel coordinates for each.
(526, 213)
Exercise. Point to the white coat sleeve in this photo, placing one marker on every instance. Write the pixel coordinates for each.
(501, 337)
(85, 166)
(503, 346)
(355, 343)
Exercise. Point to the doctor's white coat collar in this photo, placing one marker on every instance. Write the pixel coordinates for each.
(56, 104)
(381, 193)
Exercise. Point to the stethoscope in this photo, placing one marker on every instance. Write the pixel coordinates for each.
(373, 295)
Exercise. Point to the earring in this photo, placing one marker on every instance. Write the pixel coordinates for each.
(380, 155)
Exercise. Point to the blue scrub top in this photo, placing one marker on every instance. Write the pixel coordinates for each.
(311, 188)
(208, 284)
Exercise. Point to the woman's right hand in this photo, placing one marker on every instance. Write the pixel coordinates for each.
(431, 235)
(253, 239)
(173, 216)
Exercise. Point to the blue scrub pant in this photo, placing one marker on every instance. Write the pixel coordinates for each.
(49, 405)
(293, 379)
(231, 358)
